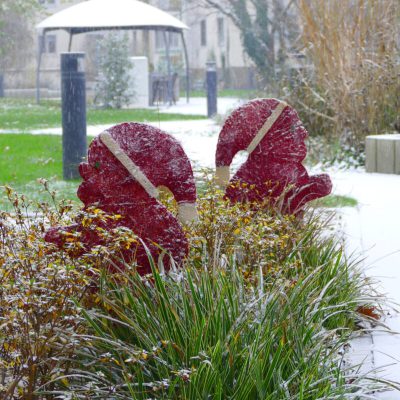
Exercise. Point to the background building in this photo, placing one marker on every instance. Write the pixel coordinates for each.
(211, 37)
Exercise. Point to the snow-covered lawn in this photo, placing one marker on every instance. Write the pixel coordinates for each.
(373, 230)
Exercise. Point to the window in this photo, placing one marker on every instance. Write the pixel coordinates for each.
(135, 42)
(221, 31)
(49, 44)
(203, 32)
(172, 37)
(159, 40)
(93, 43)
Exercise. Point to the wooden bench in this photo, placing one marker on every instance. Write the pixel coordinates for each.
(382, 154)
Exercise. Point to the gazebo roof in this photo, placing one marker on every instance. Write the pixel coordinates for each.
(96, 15)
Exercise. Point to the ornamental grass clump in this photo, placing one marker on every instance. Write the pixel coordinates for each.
(350, 87)
(209, 334)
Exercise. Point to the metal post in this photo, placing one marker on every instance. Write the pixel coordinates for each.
(71, 36)
(73, 102)
(169, 83)
(41, 39)
(211, 82)
(187, 66)
(1, 85)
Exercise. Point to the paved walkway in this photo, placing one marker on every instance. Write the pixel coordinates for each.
(373, 230)
(198, 137)
(198, 106)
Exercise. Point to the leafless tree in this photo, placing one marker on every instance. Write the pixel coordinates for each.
(267, 27)
(16, 31)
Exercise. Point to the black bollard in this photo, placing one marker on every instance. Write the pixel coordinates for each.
(73, 103)
(1, 85)
(211, 82)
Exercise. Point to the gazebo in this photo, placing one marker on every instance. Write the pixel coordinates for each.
(97, 15)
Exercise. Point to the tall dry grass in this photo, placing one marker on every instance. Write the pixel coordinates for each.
(353, 46)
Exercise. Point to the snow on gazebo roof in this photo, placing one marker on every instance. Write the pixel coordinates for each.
(95, 15)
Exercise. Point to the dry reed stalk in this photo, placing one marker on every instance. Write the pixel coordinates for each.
(354, 48)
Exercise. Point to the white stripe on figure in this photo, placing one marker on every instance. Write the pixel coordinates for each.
(267, 126)
(132, 168)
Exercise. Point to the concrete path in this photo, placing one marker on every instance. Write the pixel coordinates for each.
(373, 230)
(198, 106)
(198, 137)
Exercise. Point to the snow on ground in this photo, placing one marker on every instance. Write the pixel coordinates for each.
(198, 106)
(198, 137)
(373, 230)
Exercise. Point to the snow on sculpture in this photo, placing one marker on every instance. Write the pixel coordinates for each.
(272, 134)
(126, 165)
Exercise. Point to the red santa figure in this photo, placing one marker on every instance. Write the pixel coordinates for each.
(273, 136)
(125, 167)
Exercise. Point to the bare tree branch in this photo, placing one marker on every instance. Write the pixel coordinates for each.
(224, 10)
(256, 4)
(258, 29)
(282, 16)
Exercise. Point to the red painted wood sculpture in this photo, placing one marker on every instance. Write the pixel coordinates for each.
(126, 164)
(273, 136)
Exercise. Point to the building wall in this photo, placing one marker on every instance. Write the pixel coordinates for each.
(211, 37)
